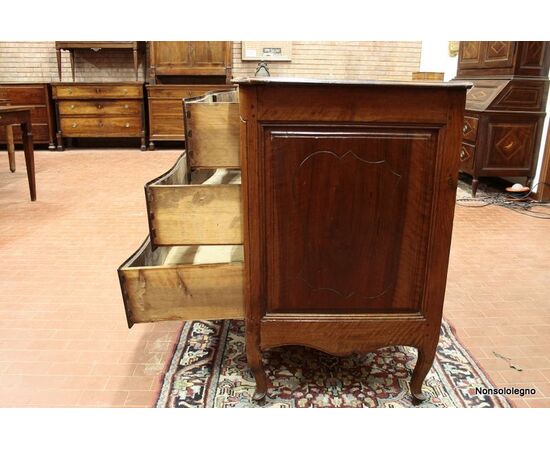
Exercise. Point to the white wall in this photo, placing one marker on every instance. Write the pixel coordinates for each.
(435, 58)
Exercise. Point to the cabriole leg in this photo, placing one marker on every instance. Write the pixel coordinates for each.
(426, 355)
(254, 357)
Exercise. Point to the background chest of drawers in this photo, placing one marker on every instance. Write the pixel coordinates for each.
(38, 96)
(505, 108)
(99, 110)
(166, 109)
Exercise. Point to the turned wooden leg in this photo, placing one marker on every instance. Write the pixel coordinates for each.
(254, 357)
(71, 53)
(29, 157)
(426, 355)
(475, 183)
(136, 63)
(143, 147)
(11, 147)
(59, 138)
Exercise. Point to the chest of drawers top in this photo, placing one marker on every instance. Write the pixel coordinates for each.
(97, 91)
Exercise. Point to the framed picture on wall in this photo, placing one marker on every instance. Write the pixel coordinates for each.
(266, 51)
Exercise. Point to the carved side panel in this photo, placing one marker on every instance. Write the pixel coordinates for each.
(510, 145)
(347, 214)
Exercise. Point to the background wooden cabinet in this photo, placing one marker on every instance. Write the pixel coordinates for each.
(190, 58)
(99, 110)
(37, 96)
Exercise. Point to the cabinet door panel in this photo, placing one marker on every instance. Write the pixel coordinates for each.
(359, 258)
(499, 54)
(171, 53)
(510, 145)
(471, 54)
(209, 53)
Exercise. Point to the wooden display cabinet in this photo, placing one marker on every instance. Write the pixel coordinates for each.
(190, 58)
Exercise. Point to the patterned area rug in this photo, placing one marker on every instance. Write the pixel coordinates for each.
(209, 369)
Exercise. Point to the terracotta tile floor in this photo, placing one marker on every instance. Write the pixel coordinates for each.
(63, 334)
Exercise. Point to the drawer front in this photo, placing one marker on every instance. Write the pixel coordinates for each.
(183, 91)
(24, 95)
(166, 107)
(154, 292)
(98, 91)
(106, 107)
(166, 126)
(40, 133)
(467, 153)
(101, 127)
(191, 214)
(469, 130)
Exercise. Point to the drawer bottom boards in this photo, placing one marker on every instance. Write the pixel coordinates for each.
(183, 283)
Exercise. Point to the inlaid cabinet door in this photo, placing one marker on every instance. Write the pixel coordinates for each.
(471, 54)
(510, 143)
(499, 54)
(348, 211)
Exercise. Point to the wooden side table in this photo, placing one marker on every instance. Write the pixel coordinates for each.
(18, 115)
(72, 46)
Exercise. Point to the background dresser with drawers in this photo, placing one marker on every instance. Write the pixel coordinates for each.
(37, 96)
(505, 108)
(166, 109)
(99, 110)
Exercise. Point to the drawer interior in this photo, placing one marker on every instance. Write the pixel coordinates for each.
(212, 126)
(202, 208)
(183, 283)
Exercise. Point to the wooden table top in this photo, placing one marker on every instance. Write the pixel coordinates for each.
(5, 109)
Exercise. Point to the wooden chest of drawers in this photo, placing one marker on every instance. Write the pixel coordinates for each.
(99, 110)
(344, 215)
(166, 109)
(37, 96)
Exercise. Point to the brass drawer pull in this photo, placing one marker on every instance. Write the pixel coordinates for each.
(97, 90)
(99, 106)
(465, 128)
(100, 124)
(125, 106)
(125, 91)
(74, 125)
(462, 154)
(72, 106)
(127, 125)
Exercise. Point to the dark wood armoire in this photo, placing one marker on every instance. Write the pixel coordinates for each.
(505, 109)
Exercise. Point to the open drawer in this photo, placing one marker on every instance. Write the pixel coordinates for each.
(212, 127)
(183, 283)
(203, 208)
